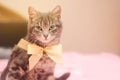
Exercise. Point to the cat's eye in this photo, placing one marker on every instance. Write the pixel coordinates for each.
(52, 27)
(38, 28)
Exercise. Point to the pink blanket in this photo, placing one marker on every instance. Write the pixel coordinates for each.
(102, 66)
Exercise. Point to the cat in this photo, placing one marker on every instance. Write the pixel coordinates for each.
(44, 29)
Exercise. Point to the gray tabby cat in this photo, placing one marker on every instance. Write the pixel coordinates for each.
(43, 29)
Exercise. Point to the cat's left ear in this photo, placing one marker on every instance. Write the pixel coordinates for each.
(57, 12)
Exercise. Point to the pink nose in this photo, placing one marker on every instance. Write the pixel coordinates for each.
(46, 36)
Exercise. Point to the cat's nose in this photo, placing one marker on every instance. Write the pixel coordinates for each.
(46, 36)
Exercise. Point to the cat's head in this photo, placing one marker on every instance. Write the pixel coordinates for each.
(45, 27)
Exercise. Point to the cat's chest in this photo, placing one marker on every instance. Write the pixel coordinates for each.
(44, 65)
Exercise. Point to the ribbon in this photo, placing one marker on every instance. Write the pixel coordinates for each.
(54, 52)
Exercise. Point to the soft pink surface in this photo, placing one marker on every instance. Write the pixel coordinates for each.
(102, 66)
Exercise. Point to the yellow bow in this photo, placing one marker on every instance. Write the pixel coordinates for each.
(54, 52)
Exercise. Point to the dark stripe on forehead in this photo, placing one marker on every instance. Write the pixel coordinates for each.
(41, 18)
(48, 20)
(45, 20)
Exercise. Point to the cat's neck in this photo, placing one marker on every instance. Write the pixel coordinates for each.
(32, 39)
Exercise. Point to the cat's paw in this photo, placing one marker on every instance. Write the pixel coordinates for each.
(64, 76)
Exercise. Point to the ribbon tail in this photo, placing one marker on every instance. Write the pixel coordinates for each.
(33, 60)
(56, 57)
(36, 55)
(55, 53)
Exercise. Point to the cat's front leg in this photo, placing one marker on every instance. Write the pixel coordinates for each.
(17, 68)
(15, 72)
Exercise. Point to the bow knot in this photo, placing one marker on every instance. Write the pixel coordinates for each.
(54, 52)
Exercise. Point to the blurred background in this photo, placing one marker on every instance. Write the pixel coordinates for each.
(90, 26)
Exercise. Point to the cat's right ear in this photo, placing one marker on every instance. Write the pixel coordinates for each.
(32, 12)
(57, 12)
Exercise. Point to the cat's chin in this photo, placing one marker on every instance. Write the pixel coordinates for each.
(44, 40)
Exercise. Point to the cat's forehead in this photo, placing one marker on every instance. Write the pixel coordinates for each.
(45, 19)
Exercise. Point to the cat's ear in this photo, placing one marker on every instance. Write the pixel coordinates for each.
(57, 12)
(32, 12)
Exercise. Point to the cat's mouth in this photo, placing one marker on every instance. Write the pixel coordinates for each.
(45, 40)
